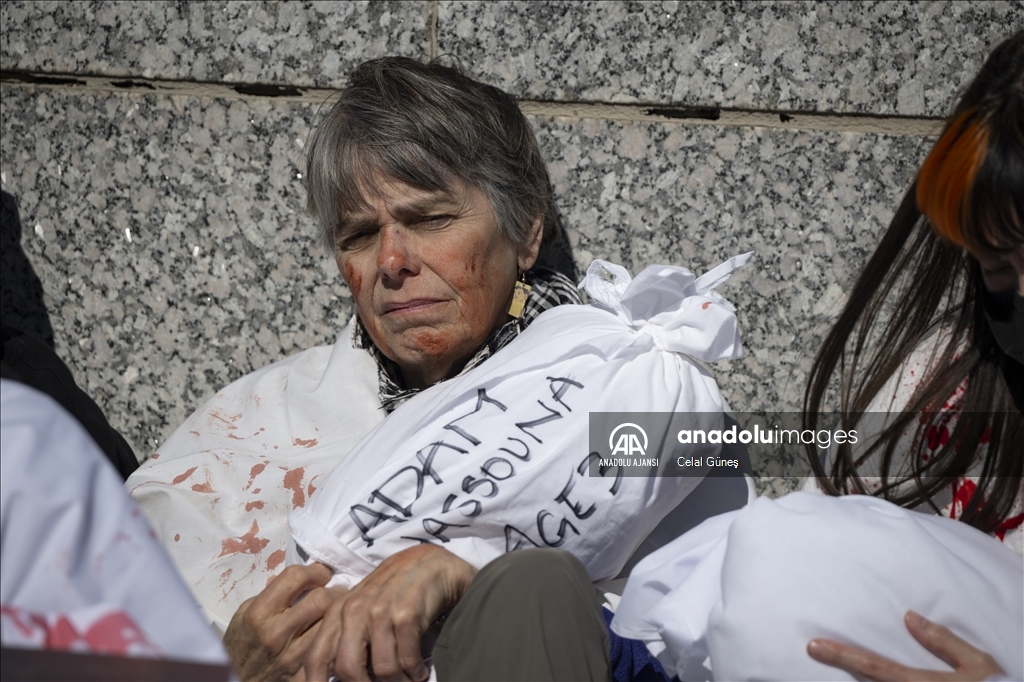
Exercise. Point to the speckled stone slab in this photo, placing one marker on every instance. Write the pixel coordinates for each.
(170, 238)
(222, 274)
(866, 57)
(290, 43)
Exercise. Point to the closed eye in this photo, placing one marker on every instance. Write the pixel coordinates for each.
(356, 239)
(437, 221)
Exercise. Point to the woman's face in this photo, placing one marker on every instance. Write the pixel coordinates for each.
(431, 275)
(1003, 272)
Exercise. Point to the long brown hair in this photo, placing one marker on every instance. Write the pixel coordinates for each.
(969, 194)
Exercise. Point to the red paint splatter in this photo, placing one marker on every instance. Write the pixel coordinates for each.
(1008, 525)
(258, 504)
(705, 305)
(205, 486)
(293, 482)
(432, 343)
(234, 437)
(245, 544)
(114, 633)
(257, 491)
(177, 536)
(310, 489)
(304, 443)
(353, 278)
(937, 436)
(228, 420)
(275, 560)
(195, 433)
(155, 455)
(185, 475)
(254, 472)
(32, 622)
(963, 492)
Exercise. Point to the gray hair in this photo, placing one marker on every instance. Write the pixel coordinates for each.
(426, 125)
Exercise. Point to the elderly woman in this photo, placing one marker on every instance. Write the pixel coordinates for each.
(432, 194)
(433, 261)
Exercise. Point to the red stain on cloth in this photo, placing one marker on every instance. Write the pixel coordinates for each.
(275, 560)
(293, 482)
(185, 475)
(245, 544)
(256, 470)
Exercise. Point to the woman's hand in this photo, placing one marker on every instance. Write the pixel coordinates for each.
(378, 625)
(269, 634)
(967, 662)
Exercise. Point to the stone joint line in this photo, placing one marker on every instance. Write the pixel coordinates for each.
(667, 114)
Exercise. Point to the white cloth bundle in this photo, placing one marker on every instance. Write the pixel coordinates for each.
(81, 569)
(752, 587)
(219, 491)
(498, 458)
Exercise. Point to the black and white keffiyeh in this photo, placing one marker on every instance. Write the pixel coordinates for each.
(550, 289)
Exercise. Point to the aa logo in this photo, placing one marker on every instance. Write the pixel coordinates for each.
(631, 441)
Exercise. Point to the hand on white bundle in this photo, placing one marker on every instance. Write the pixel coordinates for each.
(969, 663)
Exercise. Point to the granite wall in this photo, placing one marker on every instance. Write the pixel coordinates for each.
(165, 228)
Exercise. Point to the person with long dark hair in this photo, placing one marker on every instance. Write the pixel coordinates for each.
(926, 365)
(933, 335)
(936, 321)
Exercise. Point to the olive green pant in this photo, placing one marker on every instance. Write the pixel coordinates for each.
(530, 615)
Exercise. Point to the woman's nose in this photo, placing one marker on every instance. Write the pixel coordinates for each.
(396, 258)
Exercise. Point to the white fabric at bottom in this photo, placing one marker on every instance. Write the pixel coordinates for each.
(752, 587)
(81, 570)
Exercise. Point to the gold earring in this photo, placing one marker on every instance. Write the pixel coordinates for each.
(519, 295)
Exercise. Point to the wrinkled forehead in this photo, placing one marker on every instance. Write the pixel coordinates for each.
(369, 175)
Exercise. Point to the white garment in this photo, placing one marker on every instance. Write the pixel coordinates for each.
(753, 587)
(497, 458)
(219, 491)
(80, 568)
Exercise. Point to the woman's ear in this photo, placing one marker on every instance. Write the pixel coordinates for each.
(529, 252)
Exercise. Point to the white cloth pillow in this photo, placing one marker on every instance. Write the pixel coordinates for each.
(753, 587)
(219, 491)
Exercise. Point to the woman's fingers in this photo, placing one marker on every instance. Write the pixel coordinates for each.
(319, 659)
(383, 652)
(385, 616)
(395, 650)
(408, 636)
(941, 641)
(968, 662)
(863, 663)
(267, 636)
(351, 660)
(286, 588)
